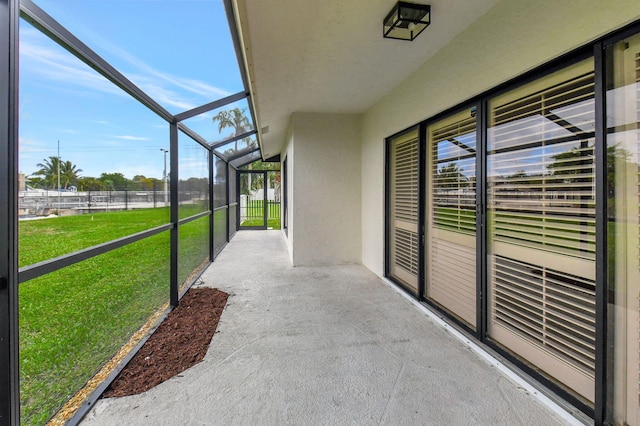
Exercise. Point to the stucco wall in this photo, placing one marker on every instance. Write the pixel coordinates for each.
(324, 224)
(511, 38)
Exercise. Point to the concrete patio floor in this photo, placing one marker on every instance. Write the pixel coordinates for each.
(331, 345)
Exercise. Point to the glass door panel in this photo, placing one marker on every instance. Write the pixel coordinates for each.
(403, 199)
(623, 167)
(451, 215)
(541, 225)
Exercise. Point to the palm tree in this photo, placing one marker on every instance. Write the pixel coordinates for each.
(69, 173)
(49, 171)
(235, 119)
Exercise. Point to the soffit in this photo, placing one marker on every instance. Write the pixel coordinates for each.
(330, 57)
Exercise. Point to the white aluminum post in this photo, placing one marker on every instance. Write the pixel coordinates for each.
(164, 174)
(59, 179)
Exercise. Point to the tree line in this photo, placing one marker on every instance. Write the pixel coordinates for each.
(54, 173)
(46, 177)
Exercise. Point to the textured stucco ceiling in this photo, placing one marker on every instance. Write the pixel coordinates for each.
(330, 56)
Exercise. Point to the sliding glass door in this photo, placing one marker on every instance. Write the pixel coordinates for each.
(451, 215)
(403, 198)
(492, 217)
(541, 225)
(623, 254)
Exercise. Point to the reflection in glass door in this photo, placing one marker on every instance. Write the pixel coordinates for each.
(451, 215)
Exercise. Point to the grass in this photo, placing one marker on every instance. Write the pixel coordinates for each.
(271, 223)
(186, 210)
(193, 248)
(220, 228)
(255, 214)
(49, 238)
(456, 220)
(73, 320)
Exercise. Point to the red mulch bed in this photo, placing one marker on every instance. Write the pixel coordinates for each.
(180, 341)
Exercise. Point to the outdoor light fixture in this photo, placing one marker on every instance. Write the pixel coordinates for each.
(407, 20)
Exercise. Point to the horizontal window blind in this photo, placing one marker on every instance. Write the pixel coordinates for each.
(541, 224)
(551, 309)
(406, 256)
(541, 183)
(406, 181)
(453, 174)
(451, 254)
(452, 276)
(562, 110)
(404, 199)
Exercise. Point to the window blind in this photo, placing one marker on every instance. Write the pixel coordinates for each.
(404, 197)
(406, 181)
(551, 309)
(453, 174)
(451, 254)
(541, 184)
(541, 224)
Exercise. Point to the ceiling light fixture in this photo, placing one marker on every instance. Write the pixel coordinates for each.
(406, 20)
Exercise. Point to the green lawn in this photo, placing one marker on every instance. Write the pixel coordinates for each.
(193, 247)
(456, 220)
(73, 320)
(271, 223)
(254, 213)
(220, 228)
(49, 238)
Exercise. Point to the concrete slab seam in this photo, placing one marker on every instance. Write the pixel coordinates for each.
(392, 393)
(546, 401)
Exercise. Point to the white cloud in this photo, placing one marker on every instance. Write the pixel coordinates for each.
(58, 66)
(164, 96)
(161, 86)
(132, 138)
(30, 146)
(54, 64)
(33, 151)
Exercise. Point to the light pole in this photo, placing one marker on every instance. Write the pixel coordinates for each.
(164, 174)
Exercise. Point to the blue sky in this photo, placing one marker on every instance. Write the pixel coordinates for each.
(177, 51)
